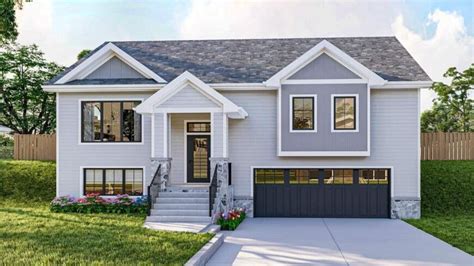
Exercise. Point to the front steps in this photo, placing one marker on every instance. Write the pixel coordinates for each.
(188, 204)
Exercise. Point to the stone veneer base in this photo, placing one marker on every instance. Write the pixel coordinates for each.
(405, 208)
(246, 203)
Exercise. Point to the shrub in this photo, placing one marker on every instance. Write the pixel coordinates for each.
(94, 203)
(28, 180)
(447, 187)
(231, 220)
(6, 147)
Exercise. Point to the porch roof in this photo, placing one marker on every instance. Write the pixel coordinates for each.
(152, 104)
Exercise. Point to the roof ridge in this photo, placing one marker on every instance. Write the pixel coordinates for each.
(262, 39)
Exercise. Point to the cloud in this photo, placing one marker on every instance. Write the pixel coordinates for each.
(265, 19)
(449, 46)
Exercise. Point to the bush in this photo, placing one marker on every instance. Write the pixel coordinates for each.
(6, 147)
(28, 180)
(231, 220)
(447, 187)
(94, 203)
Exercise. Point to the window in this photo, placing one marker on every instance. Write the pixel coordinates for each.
(344, 113)
(199, 127)
(304, 176)
(113, 181)
(302, 113)
(269, 176)
(111, 121)
(373, 176)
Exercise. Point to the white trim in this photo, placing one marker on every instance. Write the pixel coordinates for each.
(212, 134)
(279, 122)
(81, 177)
(356, 113)
(103, 55)
(222, 86)
(369, 122)
(225, 135)
(57, 145)
(322, 81)
(418, 162)
(332, 51)
(165, 135)
(404, 85)
(182, 81)
(187, 110)
(105, 100)
(185, 142)
(323, 153)
(392, 172)
(315, 113)
(152, 136)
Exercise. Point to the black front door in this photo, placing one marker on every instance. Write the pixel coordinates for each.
(198, 153)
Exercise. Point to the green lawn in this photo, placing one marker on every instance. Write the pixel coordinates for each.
(31, 234)
(457, 230)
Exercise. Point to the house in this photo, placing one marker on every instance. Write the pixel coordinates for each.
(310, 127)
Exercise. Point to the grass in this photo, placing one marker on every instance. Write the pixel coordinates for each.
(447, 197)
(457, 230)
(31, 234)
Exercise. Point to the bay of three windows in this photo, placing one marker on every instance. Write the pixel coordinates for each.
(303, 113)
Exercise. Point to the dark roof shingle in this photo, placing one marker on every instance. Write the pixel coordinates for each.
(256, 60)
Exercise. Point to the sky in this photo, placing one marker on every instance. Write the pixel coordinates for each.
(438, 34)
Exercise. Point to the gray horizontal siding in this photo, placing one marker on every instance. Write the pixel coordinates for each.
(188, 97)
(73, 155)
(114, 69)
(253, 141)
(324, 67)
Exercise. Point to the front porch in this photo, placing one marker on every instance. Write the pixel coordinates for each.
(189, 150)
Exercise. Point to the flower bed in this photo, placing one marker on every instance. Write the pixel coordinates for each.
(231, 220)
(94, 203)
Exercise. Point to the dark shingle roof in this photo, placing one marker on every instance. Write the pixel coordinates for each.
(256, 60)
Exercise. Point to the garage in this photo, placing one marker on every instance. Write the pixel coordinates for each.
(337, 193)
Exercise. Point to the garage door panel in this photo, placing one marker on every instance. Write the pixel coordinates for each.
(289, 193)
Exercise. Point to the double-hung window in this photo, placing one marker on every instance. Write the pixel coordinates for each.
(110, 121)
(303, 113)
(344, 113)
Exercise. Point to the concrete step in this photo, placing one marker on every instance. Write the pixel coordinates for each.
(181, 206)
(183, 195)
(160, 200)
(204, 213)
(199, 219)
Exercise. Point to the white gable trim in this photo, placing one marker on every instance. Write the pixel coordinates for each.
(100, 57)
(151, 104)
(335, 53)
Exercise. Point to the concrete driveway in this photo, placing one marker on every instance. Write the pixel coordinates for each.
(265, 241)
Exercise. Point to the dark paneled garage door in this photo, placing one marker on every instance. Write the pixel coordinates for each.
(350, 193)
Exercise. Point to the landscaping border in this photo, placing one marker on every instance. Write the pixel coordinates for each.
(207, 251)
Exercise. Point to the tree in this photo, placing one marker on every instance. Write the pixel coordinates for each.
(24, 106)
(453, 109)
(8, 30)
(83, 53)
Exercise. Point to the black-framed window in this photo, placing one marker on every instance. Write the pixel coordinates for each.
(373, 176)
(344, 113)
(113, 181)
(303, 113)
(198, 127)
(110, 121)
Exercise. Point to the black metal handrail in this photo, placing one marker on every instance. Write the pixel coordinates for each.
(149, 196)
(230, 174)
(212, 191)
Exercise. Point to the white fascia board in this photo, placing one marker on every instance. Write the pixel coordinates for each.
(102, 88)
(324, 153)
(331, 50)
(102, 56)
(404, 85)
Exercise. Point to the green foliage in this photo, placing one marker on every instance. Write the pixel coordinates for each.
(457, 230)
(94, 203)
(8, 28)
(83, 53)
(6, 140)
(32, 235)
(447, 187)
(453, 109)
(24, 106)
(28, 180)
(231, 220)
